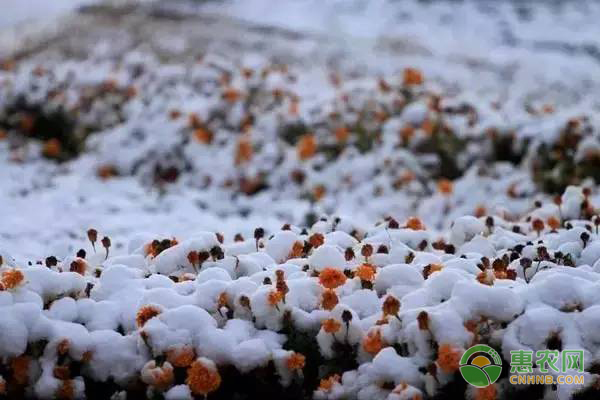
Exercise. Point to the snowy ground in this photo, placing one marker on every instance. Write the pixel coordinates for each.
(183, 112)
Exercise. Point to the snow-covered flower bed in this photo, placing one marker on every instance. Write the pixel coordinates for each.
(193, 205)
(336, 310)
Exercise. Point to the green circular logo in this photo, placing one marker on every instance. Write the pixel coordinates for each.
(480, 365)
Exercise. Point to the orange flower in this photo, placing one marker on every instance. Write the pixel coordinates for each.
(107, 171)
(275, 297)
(193, 258)
(78, 265)
(316, 239)
(12, 278)
(52, 148)
(448, 358)
(203, 377)
(223, 300)
(20, 369)
(145, 314)
(318, 192)
(373, 342)
(329, 300)
(412, 76)
(537, 225)
(331, 278)
(331, 325)
(307, 146)
(295, 361)
(445, 186)
(487, 393)
(203, 135)
(297, 250)
(63, 347)
(430, 269)
(366, 272)
(159, 377)
(415, 224)
(231, 95)
(480, 211)
(553, 223)
(66, 391)
(341, 134)
(244, 150)
(327, 384)
(391, 306)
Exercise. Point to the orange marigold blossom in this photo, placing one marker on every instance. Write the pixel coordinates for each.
(63, 347)
(203, 377)
(244, 151)
(20, 369)
(203, 135)
(373, 342)
(448, 358)
(52, 148)
(181, 356)
(487, 393)
(146, 313)
(66, 390)
(297, 250)
(415, 224)
(327, 384)
(329, 299)
(306, 147)
(341, 134)
(412, 76)
(331, 278)
(537, 225)
(553, 223)
(274, 297)
(12, 278)
(331, 325)
(295, 361)
(366, 272)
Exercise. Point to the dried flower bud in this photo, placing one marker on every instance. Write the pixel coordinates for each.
(367, 250)
(51, 262)
(423, 321)
(346, 316)
(349, 254)
(391, 306)
(92, 235)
